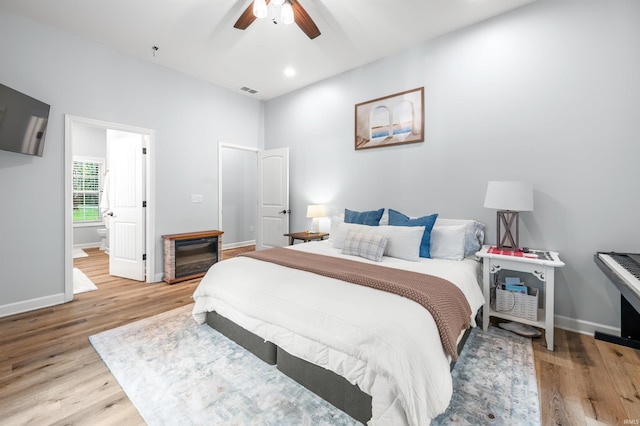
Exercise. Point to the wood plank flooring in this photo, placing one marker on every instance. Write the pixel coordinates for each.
(51, 375)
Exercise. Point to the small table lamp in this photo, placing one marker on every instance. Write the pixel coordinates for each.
(510, 198)
(315, 211)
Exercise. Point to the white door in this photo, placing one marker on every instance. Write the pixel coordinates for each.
(273, 198)
(124, 183)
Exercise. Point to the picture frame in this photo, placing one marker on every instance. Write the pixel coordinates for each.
(391, 120)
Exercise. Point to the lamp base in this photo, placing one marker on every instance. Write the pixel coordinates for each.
(505, 240)
(315, 226)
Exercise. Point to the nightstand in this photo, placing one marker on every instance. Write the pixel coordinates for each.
(306, 236)
(541, 264)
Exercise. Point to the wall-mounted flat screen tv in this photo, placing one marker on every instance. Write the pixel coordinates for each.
(23, 122)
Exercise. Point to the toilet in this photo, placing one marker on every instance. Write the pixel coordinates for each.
(102, 232)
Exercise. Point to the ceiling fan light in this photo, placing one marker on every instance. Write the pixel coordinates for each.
(286, 13)
(260, 9)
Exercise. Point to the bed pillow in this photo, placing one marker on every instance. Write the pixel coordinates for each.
(336, 221)
(365, 244)
(398, 219)
(371, 218)
(384, 219)
(474, 233)
(447, 242)
(404, 241)
(340, 230)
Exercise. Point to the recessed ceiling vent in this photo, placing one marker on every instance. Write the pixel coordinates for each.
(250, 90)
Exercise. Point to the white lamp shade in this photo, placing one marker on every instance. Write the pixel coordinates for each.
(316, 210)
(509, 195)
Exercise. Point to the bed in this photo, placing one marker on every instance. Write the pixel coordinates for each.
(376, 355)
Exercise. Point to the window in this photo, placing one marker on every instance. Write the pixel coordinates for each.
(87, 186)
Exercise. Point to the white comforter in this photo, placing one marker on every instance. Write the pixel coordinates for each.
(387, 344)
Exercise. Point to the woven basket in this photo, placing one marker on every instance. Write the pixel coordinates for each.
(518, 304)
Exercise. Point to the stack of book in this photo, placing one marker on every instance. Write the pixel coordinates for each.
(514, 284)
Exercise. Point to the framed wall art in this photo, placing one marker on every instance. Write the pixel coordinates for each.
(392, 120)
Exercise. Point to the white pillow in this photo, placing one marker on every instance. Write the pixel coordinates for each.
(404, 241)
(365, 244)
(384, 220)
(333, 228)
(339, 231)
(447, 242)
(474, 235)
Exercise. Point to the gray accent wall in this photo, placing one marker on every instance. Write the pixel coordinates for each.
(547, 93)
(79, 77)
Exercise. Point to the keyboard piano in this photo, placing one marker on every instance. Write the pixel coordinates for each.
(623, 269)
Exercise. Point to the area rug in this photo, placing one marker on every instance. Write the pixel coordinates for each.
(178, 372)
(494, 382)
(78, 252)
(82, 283)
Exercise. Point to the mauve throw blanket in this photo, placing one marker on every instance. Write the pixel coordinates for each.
(446, 302)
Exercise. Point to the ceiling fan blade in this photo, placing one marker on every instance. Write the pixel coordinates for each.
(304, 21)
(246, 18)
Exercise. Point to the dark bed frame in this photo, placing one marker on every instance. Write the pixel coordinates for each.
(325, 383)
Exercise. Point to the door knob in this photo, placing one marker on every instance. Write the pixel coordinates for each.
(285, 212)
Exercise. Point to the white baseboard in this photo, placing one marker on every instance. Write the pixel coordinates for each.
(86, 245)
(239, 244)
(583, 327)
(32, 304)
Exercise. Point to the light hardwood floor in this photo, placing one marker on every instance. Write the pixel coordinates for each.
(50, 373)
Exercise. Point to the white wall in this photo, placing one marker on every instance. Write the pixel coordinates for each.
(547, 93)
(79, 77)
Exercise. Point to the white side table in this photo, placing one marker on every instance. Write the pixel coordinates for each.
(540, 266)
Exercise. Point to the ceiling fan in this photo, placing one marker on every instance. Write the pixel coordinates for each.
(258, 9)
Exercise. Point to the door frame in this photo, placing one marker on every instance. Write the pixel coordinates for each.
(221, 146)
(69, 122)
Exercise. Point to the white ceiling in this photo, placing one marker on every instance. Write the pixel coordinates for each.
(197, 37)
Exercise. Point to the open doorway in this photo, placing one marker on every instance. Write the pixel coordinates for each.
(266, 173)
(237, 183)
(77, 129)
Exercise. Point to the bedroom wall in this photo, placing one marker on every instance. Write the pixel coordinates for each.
(547, 93)
(79, 77)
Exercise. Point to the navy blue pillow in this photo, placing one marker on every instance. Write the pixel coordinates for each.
(398, 219)
(371, 218)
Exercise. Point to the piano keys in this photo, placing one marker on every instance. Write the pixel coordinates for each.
(623, 269)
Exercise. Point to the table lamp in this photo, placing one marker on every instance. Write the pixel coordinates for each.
(315, 211)
(510, 198)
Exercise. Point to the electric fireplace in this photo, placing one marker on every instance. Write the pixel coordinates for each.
(188, 256)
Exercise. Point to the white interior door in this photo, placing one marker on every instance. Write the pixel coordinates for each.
(273, 198)
(124, 184)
